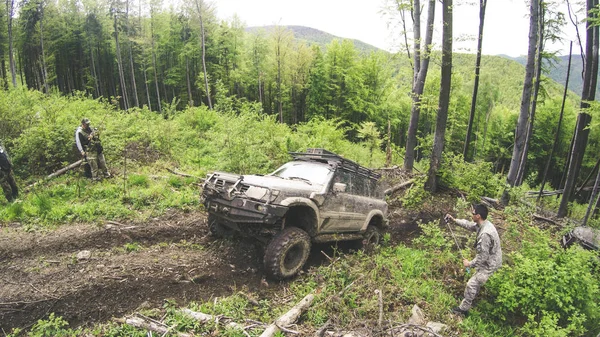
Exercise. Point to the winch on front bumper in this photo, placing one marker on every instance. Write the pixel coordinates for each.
(228, 197)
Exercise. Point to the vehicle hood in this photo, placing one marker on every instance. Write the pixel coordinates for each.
(281, 184)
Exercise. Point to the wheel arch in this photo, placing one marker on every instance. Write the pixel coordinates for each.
(375, 218)
(302, 213)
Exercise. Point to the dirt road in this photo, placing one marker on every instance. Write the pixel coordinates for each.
(120, 268)
(88, 273)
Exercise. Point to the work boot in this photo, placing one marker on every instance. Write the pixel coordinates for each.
(458, 311)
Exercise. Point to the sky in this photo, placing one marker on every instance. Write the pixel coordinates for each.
(505, 31)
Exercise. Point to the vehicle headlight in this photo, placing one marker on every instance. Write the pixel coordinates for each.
(260, 208)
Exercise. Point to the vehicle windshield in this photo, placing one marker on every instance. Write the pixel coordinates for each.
(313, 172)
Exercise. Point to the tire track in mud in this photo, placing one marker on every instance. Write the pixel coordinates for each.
(169, 259)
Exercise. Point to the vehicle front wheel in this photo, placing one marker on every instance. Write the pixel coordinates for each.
(371, 239)
(217, 228)
(287, 253)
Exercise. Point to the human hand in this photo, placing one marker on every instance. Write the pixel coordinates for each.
(466, 263)
(83, 153)
(448, 218)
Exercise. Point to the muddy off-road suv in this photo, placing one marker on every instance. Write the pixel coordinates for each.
(317, 197)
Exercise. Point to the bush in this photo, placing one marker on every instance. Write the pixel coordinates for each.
(476, 179)
(555, 291)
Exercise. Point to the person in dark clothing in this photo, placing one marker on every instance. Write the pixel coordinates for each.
(90, 148)
(7, 179)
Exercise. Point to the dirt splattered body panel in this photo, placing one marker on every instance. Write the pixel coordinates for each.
(325, 195)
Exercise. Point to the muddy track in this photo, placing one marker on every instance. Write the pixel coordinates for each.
(131, 266)
(136, 265)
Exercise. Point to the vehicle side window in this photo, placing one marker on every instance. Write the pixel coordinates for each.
(343, 177)
(355, 183)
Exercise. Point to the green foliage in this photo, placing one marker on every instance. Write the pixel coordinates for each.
(554, 290)
(138, 180)
(52, 327)
(475, 179)
(416, 194)
(132, 247)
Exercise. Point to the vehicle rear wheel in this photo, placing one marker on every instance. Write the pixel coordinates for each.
(371, 239)
(287, 253)
(217, 228)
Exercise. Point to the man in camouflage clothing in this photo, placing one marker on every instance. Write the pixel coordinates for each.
(7, 179)
(488, 258)
(90, 148)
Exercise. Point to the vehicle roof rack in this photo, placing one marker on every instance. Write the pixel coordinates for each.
(324, 156)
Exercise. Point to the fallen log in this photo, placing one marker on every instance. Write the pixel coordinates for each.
(289, 317)
(205, 318)
(57, 173)
(398, 187)
(152, 326)
(181, 174)
(539, 217)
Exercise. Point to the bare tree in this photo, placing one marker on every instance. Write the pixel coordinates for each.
(130, 45)
(560, 118)
(10, 12)
(521, 128)
(482, 6)
(444, 101)
(580, 137)
(421, 66)
(114, 10)
(200, 8)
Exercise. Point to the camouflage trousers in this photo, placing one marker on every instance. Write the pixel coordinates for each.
(473, 286)
(9, 185)
(97, 162)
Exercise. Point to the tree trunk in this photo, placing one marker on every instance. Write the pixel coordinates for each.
(43, 65)
(278, 57)
(94, 74)
(536, 90)
(146, 85)
(418, 86)
(120, 64)
(592, 204)
(136, 99)
(10, 8)
(584, 119)
(482, 5)
(188, 82)
(154, 65)
(521, 129)
(560, 118)
(444, 101)
(199, 4)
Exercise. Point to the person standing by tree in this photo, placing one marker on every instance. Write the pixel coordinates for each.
(7, 179)
(488, 258)
(90, 148)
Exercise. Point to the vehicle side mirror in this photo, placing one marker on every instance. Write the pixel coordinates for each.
(339, 187)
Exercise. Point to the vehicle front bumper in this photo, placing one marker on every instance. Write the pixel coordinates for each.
(242, 210)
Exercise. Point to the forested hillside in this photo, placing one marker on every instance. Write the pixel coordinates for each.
(176, 93)
(152, 57)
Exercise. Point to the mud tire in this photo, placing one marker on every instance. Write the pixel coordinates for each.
(287, 253)
(217, 228)
(371, 239)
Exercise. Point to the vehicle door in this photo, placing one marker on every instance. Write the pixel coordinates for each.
(342, 210)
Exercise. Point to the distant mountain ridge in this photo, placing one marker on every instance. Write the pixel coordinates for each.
(557, 71)
(318, 37)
